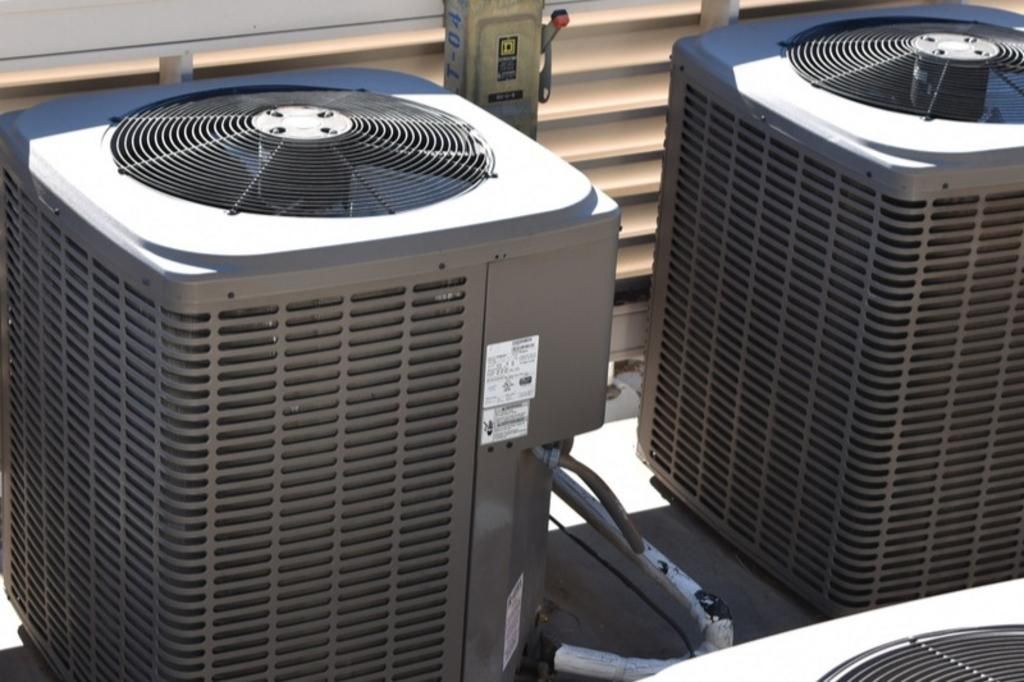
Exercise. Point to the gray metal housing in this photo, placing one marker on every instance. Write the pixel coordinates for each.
(834, 375)
(246, 447)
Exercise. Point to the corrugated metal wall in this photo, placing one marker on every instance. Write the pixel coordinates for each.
(606, 114)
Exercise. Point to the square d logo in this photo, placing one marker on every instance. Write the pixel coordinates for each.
(508, 46)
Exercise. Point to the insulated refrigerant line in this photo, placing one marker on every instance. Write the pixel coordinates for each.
(710, 613)
(624, 579)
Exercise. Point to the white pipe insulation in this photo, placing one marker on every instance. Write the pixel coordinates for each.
(717, 631)
(710, 613)
(600, 665)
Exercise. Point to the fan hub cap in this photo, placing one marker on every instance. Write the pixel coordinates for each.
(955, 47)
(302, 122)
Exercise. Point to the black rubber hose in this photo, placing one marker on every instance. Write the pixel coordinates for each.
(607, 498)
(597, 521)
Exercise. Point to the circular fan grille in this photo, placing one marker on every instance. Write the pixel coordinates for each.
(991, 654)
(325, 153)
(935, 69)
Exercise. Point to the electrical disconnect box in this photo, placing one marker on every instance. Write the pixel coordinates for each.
(498, 56)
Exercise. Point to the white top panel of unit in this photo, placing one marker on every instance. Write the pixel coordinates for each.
(68, 142)
(749, 57)
(811, 653)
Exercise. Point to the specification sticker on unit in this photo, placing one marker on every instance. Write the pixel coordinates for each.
(505, 422)
(513, 614)
(510, 372)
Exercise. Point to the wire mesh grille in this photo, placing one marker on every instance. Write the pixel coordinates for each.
(935, 69)
(994, 654)
(315, 153)
(838, 378)
(276, 490)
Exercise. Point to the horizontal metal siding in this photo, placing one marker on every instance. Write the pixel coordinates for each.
(606, 114)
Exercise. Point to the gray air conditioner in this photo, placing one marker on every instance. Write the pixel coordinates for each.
(975, 634)
(835, 377)
(275, 351)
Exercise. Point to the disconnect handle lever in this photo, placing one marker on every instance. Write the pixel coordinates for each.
(559, 20)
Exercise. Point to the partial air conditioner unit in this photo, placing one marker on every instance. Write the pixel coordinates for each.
(277, 350)
(975, 634)
(835, 376)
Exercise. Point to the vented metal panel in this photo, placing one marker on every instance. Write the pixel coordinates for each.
(837, 375)
(276, 490)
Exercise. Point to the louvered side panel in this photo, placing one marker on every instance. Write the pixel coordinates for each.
(743, 284)
(81, 459)
(836, 372)
(279, 489)
(344, 434)
(964, 400)
(337, 447)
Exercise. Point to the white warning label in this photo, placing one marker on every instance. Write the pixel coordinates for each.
(510, 372)
(513, 614)
(505, 422)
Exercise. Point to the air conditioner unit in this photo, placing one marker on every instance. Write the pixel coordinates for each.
(277, 349)
(835, 374)
(975, 634)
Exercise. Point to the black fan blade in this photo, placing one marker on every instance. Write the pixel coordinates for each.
(933, 68)
(316, 153)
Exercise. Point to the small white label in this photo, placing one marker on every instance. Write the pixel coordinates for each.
(505, 423)
(510, 373)
(513, 614)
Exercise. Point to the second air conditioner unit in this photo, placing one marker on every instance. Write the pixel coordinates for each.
(835, 377)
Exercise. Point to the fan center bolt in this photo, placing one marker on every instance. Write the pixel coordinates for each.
(955, 47)
(302, 122)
